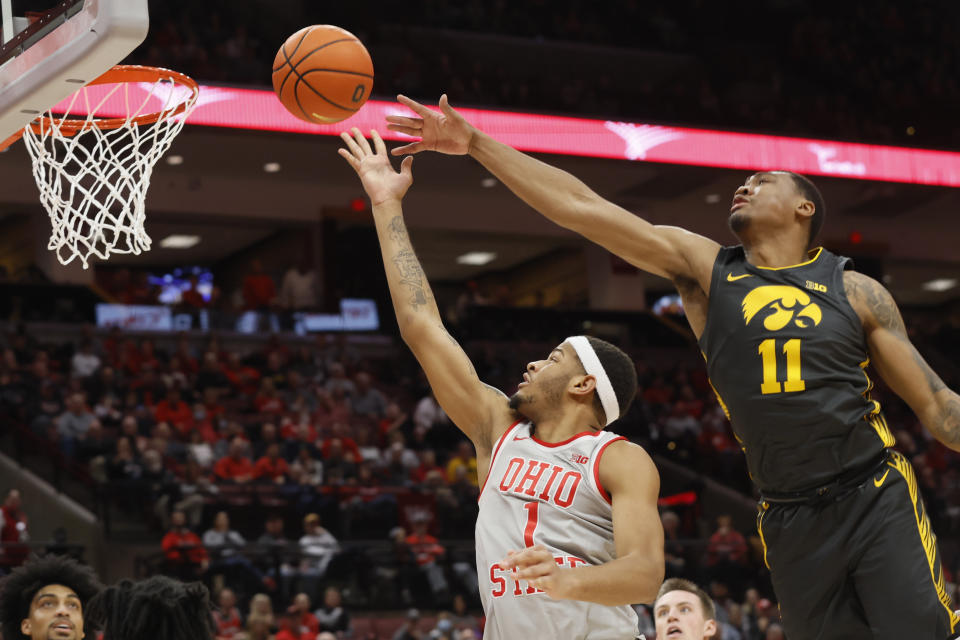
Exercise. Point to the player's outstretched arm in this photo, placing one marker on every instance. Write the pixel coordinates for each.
(899, 363)
(631, 479)
(667, 251)
(473, 406)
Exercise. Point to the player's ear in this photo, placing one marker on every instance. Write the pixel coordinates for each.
(582, 385)
(709, 628)
(25, 627)
(805, 208)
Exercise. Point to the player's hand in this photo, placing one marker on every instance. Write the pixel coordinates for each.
(446, 131)
(537, 566)
(379, 179)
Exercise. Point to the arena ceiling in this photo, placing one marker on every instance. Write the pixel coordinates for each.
(221, 193)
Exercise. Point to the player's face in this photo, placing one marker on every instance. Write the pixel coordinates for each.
(544, 381)
(56, 613)
(768, 199)
(679, 616)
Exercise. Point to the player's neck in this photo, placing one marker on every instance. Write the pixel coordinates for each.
(561, 427)
(774, 250)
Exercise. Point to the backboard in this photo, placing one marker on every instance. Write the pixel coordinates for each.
(49, 58)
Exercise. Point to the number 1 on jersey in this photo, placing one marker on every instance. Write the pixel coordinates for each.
(768, 353)
(533, 509)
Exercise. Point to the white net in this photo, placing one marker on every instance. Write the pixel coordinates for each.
(93, 183)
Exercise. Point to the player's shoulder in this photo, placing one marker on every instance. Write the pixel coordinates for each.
(624, 463)
(868, 297)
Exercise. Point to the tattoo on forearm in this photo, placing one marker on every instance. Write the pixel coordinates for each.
(411, 273)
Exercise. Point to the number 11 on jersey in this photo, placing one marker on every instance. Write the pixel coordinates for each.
(768, 354)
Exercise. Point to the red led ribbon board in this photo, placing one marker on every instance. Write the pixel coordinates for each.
(260, 110)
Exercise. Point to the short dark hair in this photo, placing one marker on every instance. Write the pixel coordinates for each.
(809, 191)
(18, 589)
(679, 584)
(158, 608)
(622, 373)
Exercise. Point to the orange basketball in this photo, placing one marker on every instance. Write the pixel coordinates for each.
(322, 74)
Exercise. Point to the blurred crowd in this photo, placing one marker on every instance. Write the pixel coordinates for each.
(883, 71)
(288, 466)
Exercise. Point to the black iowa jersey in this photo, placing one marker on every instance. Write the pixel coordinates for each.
(786, 354)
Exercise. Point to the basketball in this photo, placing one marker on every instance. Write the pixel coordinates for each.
(322, 74)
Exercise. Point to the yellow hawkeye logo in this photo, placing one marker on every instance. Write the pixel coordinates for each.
(784, 304)
(733, 278)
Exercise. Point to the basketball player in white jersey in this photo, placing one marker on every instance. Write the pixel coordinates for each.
(568, 533)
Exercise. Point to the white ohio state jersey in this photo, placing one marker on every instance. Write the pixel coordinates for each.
(549, 494)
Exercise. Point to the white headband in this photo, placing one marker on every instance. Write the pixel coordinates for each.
(591, 363)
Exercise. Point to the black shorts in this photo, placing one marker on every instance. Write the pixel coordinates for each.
(863, 566)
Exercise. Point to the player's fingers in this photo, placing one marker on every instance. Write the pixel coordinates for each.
(407, 131)
(537, 570)
(446, 108)
(406, 167)
(349, 158)
(378, 143)
(413, 147)
(351, 145)
(362, 141)
(413, 105)
(403, 121)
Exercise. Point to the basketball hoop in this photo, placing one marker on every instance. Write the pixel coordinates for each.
(93, 161)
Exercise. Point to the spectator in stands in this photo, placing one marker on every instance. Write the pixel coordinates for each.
(97, 444)
(411, 627)
(13, 531)
(306, 470)
(465, 459)
(267, 400)
(73, 424)
(84, 362)
(367, 400)
(339, 465)
(199, 450)
(726, 553)
(304, 622)
(394, 419)
(298, 291)
(318, 547)
(191, 298)
(428, 463)
(774, 632)
(332, 616)
(189, 497)
(462, 619)
(271, 468)
(676, 563)
(185, 556)
(429, 420)
(259, 291)
(367, 448)
(337, 380)
(175, 411)
(46, 408)
(429, 552)
(261, 612)
(124, 472)
(226, 615)
(236, 467)
(225, 546)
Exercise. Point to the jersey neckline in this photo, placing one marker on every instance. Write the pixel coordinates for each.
(817, 252)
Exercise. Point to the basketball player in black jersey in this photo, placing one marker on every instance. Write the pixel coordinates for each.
(788, 332)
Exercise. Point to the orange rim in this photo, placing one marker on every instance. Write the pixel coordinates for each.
(118, 75)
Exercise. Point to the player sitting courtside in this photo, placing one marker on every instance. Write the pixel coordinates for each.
(568, 511)
(787, 331)
(44, 599)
